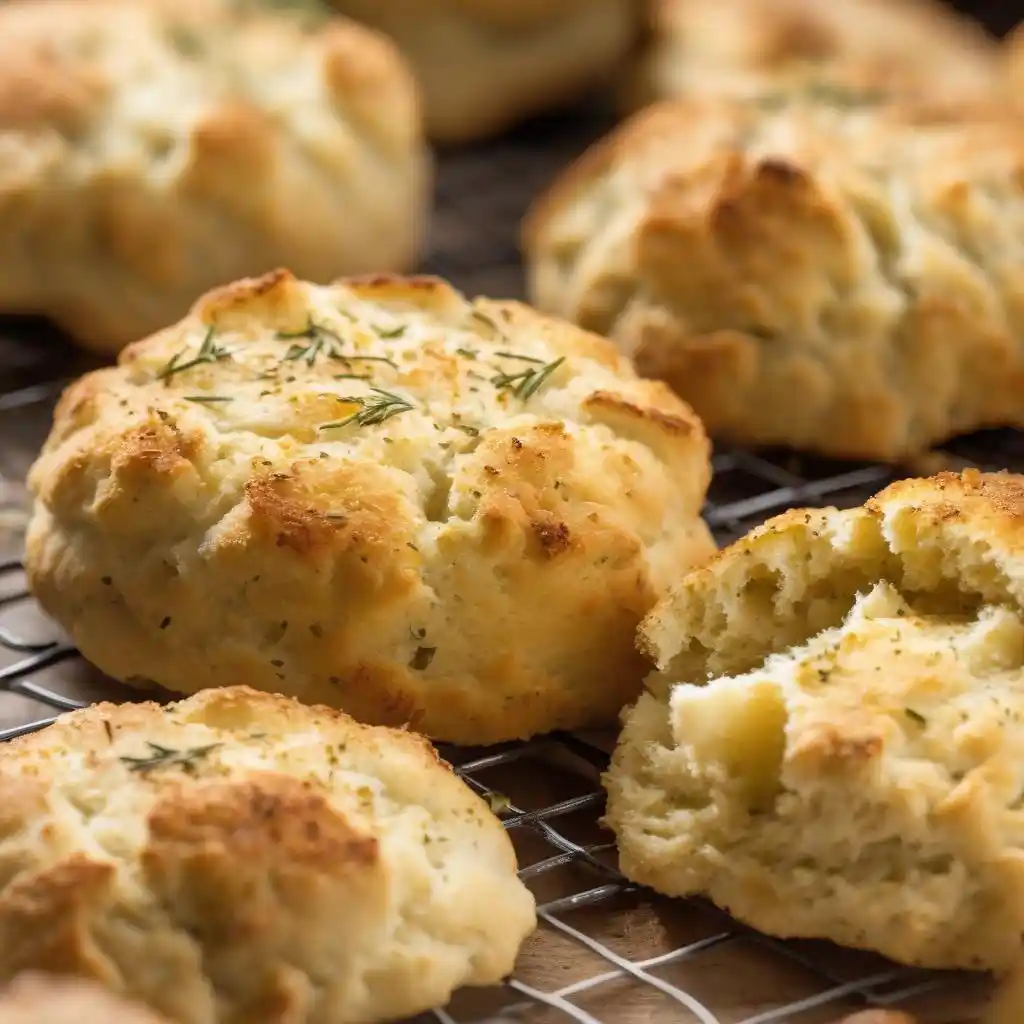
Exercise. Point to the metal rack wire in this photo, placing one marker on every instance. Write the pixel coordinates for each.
(565, 857)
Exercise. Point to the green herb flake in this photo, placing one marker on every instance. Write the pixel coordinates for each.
(916, 717)
(208, 399)
(321, 340)
(374, 409)
(166, 757)
(525, 384)
(209, 352)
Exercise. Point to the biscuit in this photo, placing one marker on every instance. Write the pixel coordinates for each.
(49, 999)
(151, 151)
(239, 856)
(482, 65)
(374, 495)
(833, 744)
(749, 47)
(822, 271)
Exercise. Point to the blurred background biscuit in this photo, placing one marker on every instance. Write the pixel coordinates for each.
(827, 271)
(151, 151)
(748, 47)
(484, 65)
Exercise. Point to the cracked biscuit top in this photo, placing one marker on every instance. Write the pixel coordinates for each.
(238, 856)
(150, 151)
(820, 270)
(374, 495)
(833, 744)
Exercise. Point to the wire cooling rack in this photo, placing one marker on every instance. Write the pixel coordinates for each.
(605, 950)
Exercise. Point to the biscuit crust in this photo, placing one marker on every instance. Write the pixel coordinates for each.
(749, 47)
(35, 998)
(485, 64)
(831, 747)
(241, 857)
(150, 151)
(826, 271)
(374, 495)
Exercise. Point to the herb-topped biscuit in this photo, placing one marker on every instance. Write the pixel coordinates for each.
(151, 150)
(242, 857)
(821, 270)
(833, 744)
(374, 495)
(749, 47)
(484, 64)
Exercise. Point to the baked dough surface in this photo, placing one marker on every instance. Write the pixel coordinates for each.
(374, 495)
(749, 47)
(239, 857)
(52, 999)
(833, 746)
(150, 151)
(823, 270)
(484, 64)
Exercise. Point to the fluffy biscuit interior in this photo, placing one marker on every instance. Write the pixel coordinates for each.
(831, 744)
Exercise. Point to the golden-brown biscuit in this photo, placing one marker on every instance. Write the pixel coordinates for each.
(485, 64)
(750, 47)
(374, 495)
(833, 744)
(239, 856)
(53, 999)
(822, 271)
(150, 151)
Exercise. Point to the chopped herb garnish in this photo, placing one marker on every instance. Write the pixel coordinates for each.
(485, 319)
(165, 757)
(390, 332)
(322, 340)
(516, 355)
(472, 431)
(915, 716)
(209, 352)
(208, 399)
(374, 409)
(527, 383)
(467, 352)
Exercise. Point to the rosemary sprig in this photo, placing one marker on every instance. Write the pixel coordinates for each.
(527, 383)
(374, 409)
(324, 341)
(320, 338)
(490, 322)
(208, 399)
(165, 757)
(209, 352)
(516, 355)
